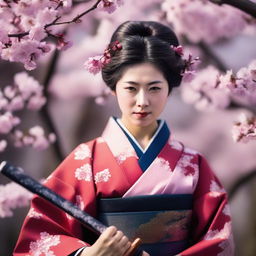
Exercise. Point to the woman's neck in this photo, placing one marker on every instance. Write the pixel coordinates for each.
(142, 134)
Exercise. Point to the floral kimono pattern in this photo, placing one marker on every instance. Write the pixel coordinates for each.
(112, 166)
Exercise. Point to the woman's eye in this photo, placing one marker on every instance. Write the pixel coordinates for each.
(154, 88)
(130, 88)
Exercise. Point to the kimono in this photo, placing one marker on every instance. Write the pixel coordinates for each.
(166, 194)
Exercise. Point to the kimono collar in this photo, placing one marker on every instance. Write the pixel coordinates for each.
(120, 141)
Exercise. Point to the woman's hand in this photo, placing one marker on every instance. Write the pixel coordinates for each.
(111, 242)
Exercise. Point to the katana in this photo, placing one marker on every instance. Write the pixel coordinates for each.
(16, 174)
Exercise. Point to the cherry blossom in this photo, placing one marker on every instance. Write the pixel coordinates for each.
(25, 93)
(94, 64)
(3, 145)
(244, 130)
(12, 196)
(204, 91)
(8, 122)
(242, 85)
(109, 5)
(27, 20)
(203, 20)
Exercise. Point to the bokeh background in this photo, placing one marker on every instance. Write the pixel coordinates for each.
(77, 106)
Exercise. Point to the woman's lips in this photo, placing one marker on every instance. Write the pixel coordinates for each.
(141, 114)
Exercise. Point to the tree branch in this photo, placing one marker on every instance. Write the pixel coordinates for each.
(209, 52)
(247, 6)
(241, 182)
(74, 20)
(45, 112)
(206, 49)
(235, 105)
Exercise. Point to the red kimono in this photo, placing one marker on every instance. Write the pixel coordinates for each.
(112, 166)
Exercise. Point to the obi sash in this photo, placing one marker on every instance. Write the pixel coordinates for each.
(161, 221)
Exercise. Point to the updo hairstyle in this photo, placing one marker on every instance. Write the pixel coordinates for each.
(144, 41)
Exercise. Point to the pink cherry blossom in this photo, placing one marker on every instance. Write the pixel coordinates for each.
(36, 102)
(7, 122)
(17, 103)
(40, 142)
(12, 196)
(3, 145)
(4, 39)
(244, 130)
(107, 5)
(36, 131)
(9, 92)
(94, 64)
(63, 45)
(203, 91)
(27, 85)
(242, 85)
(46, 16)
(203, 20)
(37, 33)
(52, 138)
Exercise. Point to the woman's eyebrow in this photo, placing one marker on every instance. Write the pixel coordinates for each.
(150, 83)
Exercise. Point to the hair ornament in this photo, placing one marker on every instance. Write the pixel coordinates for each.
(96, 63)
(178, 49)
(190, 67)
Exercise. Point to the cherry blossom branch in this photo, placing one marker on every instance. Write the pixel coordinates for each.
(45, 110)
(244, 5)
(74, 20)
(241, 182)
(206, 49)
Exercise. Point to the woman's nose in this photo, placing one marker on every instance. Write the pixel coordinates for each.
(142, 99)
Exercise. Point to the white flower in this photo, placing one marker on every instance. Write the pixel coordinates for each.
(175, 144)
(82, 152)
(186, 165)
(102, 176)
(42, 245)
(124, 155)
(84, 172)
(34, 214)
(215, 189)
(224, 233)
(226, 210)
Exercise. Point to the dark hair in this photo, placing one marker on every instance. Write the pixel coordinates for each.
(144, 41)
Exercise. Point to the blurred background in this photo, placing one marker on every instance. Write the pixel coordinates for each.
(66, 105)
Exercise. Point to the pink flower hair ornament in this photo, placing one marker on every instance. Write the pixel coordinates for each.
(190, 66)
(96, 63)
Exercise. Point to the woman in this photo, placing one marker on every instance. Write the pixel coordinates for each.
(135, 177)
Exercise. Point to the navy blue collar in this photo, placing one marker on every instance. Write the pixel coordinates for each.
(147, 157)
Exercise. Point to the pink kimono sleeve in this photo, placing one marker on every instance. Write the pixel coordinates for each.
(47, 230)
(211, 227)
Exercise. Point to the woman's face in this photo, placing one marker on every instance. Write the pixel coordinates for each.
(141, 93)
